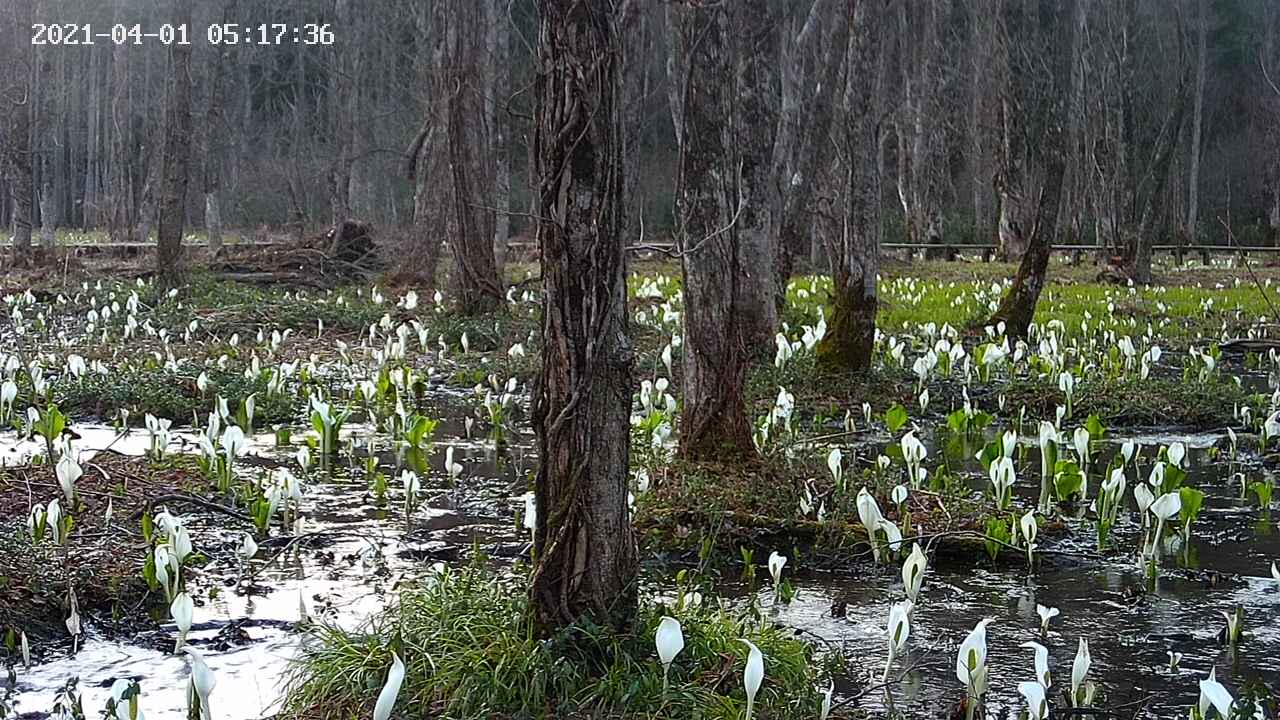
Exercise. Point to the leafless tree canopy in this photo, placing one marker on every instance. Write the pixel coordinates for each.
(1170, 123)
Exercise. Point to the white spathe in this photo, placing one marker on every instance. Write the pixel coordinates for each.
(752, 675)
(1041, 662)
(669, 639)
(390, 690)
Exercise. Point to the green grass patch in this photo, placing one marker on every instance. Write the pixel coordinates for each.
(170, 393)
(1131, 402)
(471, 651)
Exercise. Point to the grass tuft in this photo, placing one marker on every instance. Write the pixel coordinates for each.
(470, 651)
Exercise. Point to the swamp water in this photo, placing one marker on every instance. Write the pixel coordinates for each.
(348, 564)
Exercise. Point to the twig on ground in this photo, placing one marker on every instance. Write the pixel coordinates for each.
(191, 500)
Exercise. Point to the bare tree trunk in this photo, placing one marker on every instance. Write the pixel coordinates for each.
(214, 118)
(147, 205)
(754, 40)
(342, 118)
(177, 158)
(19, 161)
(979, 61)
(1197, 123)
(637, 39)
(713, 422)
(48, 234)
(847, 345)
(1017, 308)
(802, 150)
(1033, 160)
(16, 150)
(919, 131)
(586, 553)
(422, 249)
(500, 132)
(213, 222)
(477, 287)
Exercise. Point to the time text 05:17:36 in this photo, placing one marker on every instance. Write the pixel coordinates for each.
(181, 34)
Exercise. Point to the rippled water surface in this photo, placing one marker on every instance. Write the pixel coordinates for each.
(353, 553)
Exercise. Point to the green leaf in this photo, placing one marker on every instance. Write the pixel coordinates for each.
(1192, 501)
(1095, 427)
(1067, 479)
(990, 453)
(997, 531)
(895, 418)
(1173, 478)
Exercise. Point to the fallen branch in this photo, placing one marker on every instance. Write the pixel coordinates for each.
(191, 500)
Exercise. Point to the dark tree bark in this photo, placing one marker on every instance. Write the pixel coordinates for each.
(638, 41)
(754, 46)
(423, 157)
(343, 106)
(1033, 154)
(477, 289)
(16, 151)
(175, 171)
(920, 136)
(847, 346)
(713, 421)
(585, 550)
(214, 120)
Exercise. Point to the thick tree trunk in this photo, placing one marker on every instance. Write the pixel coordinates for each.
(848, 343)
(477, 288)
(177, 159)
(755, 51)
(713, 422)
(423, 157)
(586, 553)
(1018, 307)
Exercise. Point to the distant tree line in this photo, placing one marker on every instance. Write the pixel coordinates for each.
(1169, 127)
